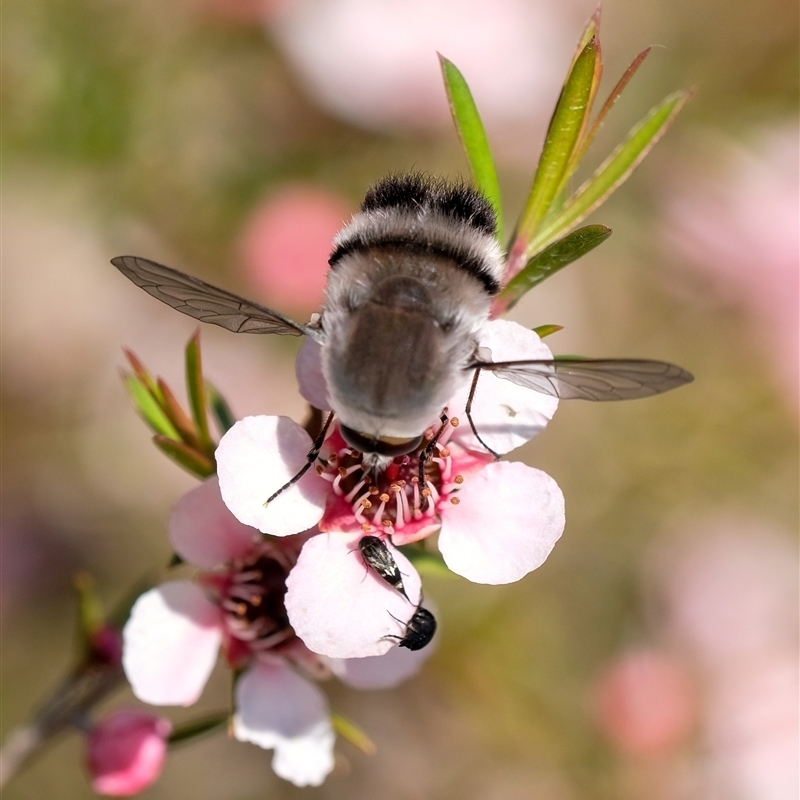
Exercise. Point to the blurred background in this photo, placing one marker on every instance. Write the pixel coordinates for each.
(654, 655)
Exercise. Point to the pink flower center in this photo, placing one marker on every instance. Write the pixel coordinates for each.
(396, 498)
(252, 597)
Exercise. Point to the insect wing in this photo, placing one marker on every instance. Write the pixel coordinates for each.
(591, 379)
(203, 301)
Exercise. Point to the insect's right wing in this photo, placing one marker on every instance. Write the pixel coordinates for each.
(591, 378)
(205, 302)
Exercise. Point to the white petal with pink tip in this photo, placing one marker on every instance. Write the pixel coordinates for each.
(339, 607)
(255, 458)
(505, 415)
(275, 708)
(508, 519)
(203, 532)
(170, 644)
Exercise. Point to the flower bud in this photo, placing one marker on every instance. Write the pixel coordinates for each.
(125, 752)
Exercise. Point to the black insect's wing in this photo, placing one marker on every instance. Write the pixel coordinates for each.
(591, 379)
(203, 301)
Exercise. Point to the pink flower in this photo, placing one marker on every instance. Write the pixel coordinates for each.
(125, 752)
(348, 52)
(734, 215)
(496, 521)
(645, 703)
(286, 243)
(175, 631)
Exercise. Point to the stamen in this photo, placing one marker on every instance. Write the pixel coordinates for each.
(354, 491)
(455, 501)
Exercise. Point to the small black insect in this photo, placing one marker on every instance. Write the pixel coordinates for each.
(419, 630)
(377, 556)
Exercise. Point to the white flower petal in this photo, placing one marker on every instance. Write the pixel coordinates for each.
(382, 672)
(508, 519)
(339, 607)
(170, 644)
(255, 458)
(203, 531)
(308, 369)
(505, 415)
(275, 708)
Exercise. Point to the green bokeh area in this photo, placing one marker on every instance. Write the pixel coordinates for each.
(163, 124)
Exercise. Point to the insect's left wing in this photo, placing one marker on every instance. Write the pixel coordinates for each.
(591, 379)
(205, 302)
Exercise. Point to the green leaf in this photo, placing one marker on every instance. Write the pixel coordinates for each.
(197, 392)
(546, 330)
(473, 137)
(149, 409)
(615, 169)
(190, 459)
(220, 409)
(352, 733)
(552, 259)
(199, 727)
(142, 374)
(563, 133)
(607, 106)
(425, 562)
(591, 31)
(177, 416)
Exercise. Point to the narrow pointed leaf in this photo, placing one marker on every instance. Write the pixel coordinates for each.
(199, 727)
(220, 409)
(546, 330)
(352, 733)
(615, 170)
(190, 459)
(177, 416)
(552, 259)
(591, 31)
(149, 409)
(197, 391)
(562, 137)
(142, 374)
(473, 137)
(616, 92)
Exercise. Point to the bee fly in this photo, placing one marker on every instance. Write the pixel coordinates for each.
(377, 556)
(412, 279)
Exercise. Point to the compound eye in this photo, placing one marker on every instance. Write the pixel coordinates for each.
(389, 446)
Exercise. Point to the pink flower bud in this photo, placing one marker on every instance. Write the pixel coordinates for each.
(125, 752)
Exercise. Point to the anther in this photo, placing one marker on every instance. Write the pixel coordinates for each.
(454, 422)
(455, 501)
(458, 479)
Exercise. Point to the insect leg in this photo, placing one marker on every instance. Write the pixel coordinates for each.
(310, 459)
(427, 452)
(468, 412)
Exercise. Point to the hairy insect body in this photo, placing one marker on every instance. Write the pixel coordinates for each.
(408, 290)
(411, 282)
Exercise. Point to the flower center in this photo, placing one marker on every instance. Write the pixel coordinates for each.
(253, 597)
(408, 490)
